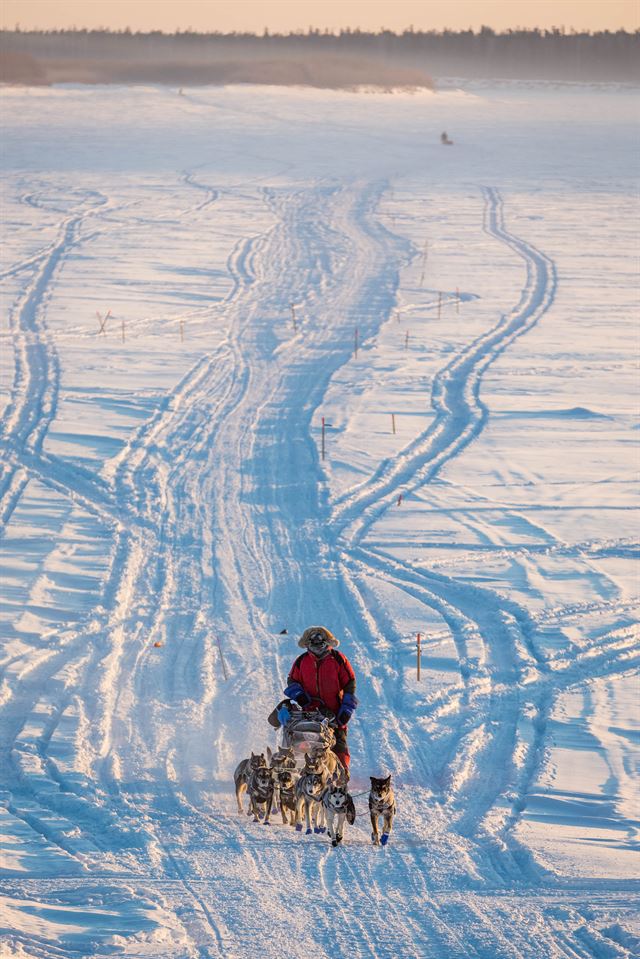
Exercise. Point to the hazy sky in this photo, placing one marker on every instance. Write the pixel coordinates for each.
(286, 15)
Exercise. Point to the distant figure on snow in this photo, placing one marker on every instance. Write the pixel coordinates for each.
(444, 139)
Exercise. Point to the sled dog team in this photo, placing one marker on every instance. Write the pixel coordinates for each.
(321, 678)
(317, 793)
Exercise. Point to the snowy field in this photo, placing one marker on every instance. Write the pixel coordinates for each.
(166, 511)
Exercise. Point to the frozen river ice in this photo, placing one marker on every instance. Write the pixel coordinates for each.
(191, 281)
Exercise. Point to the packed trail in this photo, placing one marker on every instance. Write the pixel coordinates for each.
(273, 359)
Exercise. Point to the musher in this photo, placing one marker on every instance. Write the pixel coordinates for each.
(323, 677)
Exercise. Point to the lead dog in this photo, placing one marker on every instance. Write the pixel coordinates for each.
(260, 789)
(242, 774)
(283, 758)
(285, 783)
(309, 789)
(338, 804)
(381, 803)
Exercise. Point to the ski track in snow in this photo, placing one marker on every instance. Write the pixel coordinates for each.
(117, 758)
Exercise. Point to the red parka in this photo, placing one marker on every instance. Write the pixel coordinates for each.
(324, 680)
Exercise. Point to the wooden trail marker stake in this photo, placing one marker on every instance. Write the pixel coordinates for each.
(222, 660)
(123, 331)
(182, 331)
(424, 261)
(418, 655)
(393, 423)
(406, 340)
(323, 432)
(293, 318)
(103, 322)
(399, 499)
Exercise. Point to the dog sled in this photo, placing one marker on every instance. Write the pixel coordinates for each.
(303, 730)
(307, 731)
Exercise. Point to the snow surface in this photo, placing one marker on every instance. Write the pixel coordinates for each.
(163, 484)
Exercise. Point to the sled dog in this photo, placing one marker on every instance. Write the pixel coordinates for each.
(309, 789)
(381, 803)
(285, 783)
(329, 760)
(338, 806)
(283, 758)
(260, 789)
(242, 773)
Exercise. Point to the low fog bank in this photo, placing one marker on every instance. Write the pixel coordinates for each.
(314, 71)
(347, 59)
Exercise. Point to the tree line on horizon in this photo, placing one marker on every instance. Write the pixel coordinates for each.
(326, 32)
(517, 53)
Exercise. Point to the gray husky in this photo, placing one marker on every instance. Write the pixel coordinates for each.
(283, 758)
(309, 789)
(242, 773)
(338, 806)
(260, 789)
(285, 783)
(381, 803)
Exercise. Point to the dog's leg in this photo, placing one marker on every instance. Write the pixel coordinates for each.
(307, 814)
(241, 788)
(255, 810)
(375, 835)
(329, 818)
(387, 826)
(340, 829)
(269, 805)
(299, 805)
(318, 817)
